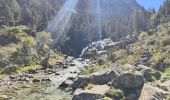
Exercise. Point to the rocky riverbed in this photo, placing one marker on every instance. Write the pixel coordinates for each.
(42, 84)
(64, 80)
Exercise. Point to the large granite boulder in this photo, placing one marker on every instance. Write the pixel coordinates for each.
(105, 77)
(153, 93)
(97, 78)
(96, 93)
(80, 82)
(130, 80)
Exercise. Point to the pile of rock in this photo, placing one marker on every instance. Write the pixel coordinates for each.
(134, 84)
(112, 78)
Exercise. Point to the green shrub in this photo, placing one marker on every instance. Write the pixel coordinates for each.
(143, 35)
(25, 54)
(29, 68)
(89, 86)
(151, 79)
(115, 93)
(96, 68)
(165, 75)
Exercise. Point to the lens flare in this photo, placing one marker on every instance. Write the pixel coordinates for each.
(60, 24)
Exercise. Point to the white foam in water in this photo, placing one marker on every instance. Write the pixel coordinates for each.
(59, 24)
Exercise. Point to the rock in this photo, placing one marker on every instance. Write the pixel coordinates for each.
(23, 79)
(10, 69)
(80, 82)
(57, 73)
(50, 73)
(166, 84)
(96, 93)
(30, 76)
(131, 97)
(25, 86)
(35, 80)
(46, 80)
(100, 61)
(129, 67)
(4, 97)
(59, 62)
(130, 80)
(12, 77)
(153, 93)
(72, 64)
(32, 71)
(97, 78)
(65, 66)
(165, 88)
(105, 77)
(4, 62)
(85, 95)
(66, 84)
(150, 73)
(69, 59)
(142, 67)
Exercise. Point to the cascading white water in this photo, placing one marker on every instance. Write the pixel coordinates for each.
(97, 6)
(98, 11)
(60, 23)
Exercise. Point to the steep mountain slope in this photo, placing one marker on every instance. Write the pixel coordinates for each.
(37, 13)
(114, 23)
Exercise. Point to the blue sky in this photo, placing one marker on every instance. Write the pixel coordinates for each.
(151, 3)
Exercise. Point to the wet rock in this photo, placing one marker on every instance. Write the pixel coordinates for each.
(10, 69)
(71, 78)
(57, 73)
(130, 80)
(65, 66)
(23, 79)
(153, 93)
(49, 71)
(35, 80)
(66, 84)
(69, 59)
(72, 64)
(4, 97)
(150, 73)
(100, 61)
(12, 77)
(32, 71)
(46, 80)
